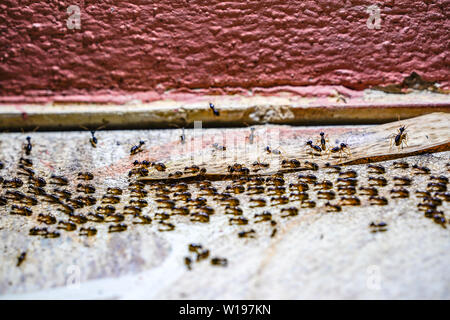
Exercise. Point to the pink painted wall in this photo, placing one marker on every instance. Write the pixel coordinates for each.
(136, 46)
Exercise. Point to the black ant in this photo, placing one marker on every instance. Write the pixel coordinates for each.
(87, 200)
(247, 234)
(255, 189)
(420, 170)
(143, 219)
(436, 186)
(23, 211)
(107, 209)
(184, 211)
(132, 209)
(14, 195)
(400, 165)
(37, 190)
(233, 210)
(188, 263)
(59, 180)
(314, 148)
(376, 169)
(377, 181)
(159, 166)
(26, 171)
(238, 221)
(183, 138)
(202, 254)
(333, 168)
(311, 166)
(301, 196)
(265, 216)
(167, 226)
(214, 110)
(117, 228)
(323, 141)
(301, 186)
(380, 201)
(13, 183)
(348, 174)
(275, 151)
(369, 191)
(333, 207)
(342, 149)
(347, 182)
(378, 227)
(199, 217)
(400, 138)
(117, 217)
(350, 201)
(326, 194)
(223, 262)
(85, 176)
(24, 161)
(138, 148)
(399, 193)
(88, 232)
(291, 211)
(308, 204)
(21, 258)
(279, 200)
(440, 179)
(349, 190)
(28, 146)
(86, 188)
(114, 191)
(401, 181)
(93, 140)
(37, 182)
(95, 217)
(77, 218)
(67, 226)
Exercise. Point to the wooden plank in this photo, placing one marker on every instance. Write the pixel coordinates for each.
(425, 134)
(235, 110)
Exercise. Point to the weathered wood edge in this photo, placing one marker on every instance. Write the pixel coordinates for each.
(235, 111)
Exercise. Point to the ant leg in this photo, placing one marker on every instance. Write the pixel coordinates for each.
(405, 139)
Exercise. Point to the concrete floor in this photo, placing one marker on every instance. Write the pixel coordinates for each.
(316, 254)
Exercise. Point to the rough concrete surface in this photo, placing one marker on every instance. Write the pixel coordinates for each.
(316, 254)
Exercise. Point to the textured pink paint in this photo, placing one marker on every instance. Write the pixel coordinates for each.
(144, 49)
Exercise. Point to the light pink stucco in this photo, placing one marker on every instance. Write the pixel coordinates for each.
(147, 47)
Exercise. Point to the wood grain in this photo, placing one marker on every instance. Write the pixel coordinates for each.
(425, 134)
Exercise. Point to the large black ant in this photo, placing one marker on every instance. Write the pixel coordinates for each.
(93, 140)
(400, 138)
(323, 141)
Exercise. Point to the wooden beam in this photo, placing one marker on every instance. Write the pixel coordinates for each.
(234, 110)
